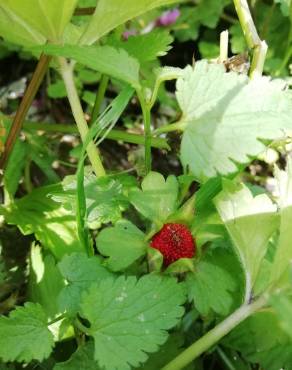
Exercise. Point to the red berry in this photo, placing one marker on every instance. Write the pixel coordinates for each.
(174, 241)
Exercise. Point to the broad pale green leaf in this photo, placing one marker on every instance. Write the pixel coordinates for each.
(250, 222)
(130, 318)
(45, 281)
(215, 285)
(81, 359)
(224, 117)
(261, 340)
(25, 335)
(53, 225)
(283, 257)
(116, 63)
(79, 272)
(146, 47)
(158, 197)
(111, 13)
(35, 21)
(123, 244)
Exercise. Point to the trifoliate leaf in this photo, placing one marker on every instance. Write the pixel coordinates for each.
(261, 340)
(53, 225)
(105, 197)
(146, 47)
(225, 115)
(215, 285)
(129, 318)
(283, 256)
(123, 244)
(25, 335)
(250, 222)
(81, 359)
(80, 272)
(158, 197)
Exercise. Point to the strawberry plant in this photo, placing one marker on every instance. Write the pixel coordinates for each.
(113, 267)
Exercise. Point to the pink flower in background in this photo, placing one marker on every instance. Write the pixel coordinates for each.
(129, 33)
(167, 18)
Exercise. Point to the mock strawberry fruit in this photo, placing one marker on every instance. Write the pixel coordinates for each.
(174, 241)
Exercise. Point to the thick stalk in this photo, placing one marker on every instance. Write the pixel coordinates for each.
(93, 155)
(99, 97)
(252, 38)
(214, 335)
(24, 106)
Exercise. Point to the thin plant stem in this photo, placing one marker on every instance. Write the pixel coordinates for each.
(24, 106)
(56, 319)
(27, 180)
(176, 126)
(215, 334)
(92, 151)
(146, 111)
(252, 38)
(99, 97)
(114, 134)
(225, 359)
(84, 11)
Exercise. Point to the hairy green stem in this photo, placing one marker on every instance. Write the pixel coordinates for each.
(146, 111)
(92, 151)
(215, 334)
(24, 106)
(176, 126)
(99, 97)
(252, 38)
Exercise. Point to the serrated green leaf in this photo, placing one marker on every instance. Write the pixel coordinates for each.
(53, 225)
(261, 340)
(81, 359)
(225, 115)
(111, 13)
(215, 285)
(146, 47)
(250, 222)
(283, 256)
(123, 244)
(25, 335)
(34, 22)
(158, 197)
(116, 63)
(105, 197)
(80, 272)
(129, 318)
(45, 281)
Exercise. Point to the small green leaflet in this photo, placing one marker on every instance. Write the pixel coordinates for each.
(105, 197)
(147, 47)
(283, 257)
(80, 272)
(158, 197)
(215, 284)
(111, 13)
(52, 224)
(282, 304)
(81, 359)
(261, 340)
(116, 63)
(25, 335)
(250, 222)
(129, 318)
(124, 244)
(33, 22)
(225, 115)
(45, 281)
